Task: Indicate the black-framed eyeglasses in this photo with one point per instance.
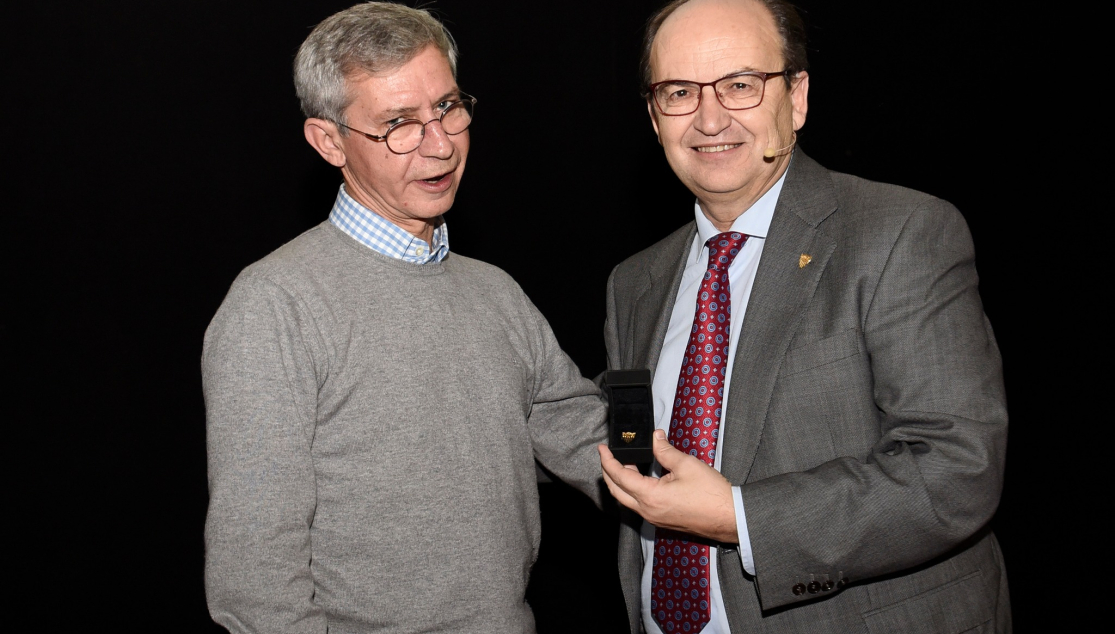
(405, 136)
(738, 91)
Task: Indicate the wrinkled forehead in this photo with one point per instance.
(426, 64)
(704, 40)
(425, 78)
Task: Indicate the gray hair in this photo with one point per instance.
(372, 37)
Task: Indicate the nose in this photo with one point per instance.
(712, 118)
(435, 142)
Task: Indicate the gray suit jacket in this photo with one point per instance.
(867, 416)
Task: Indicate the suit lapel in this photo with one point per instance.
(653, 307)
(782, 289)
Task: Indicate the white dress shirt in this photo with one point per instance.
(755, 222)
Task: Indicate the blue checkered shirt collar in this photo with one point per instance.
(380, 235)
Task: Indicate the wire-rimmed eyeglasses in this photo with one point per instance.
(738, 91)
(405, 136)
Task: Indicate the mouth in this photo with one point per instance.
(437, 184)
(710, 149)
(435, 180)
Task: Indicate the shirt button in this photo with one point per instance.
(419, 250)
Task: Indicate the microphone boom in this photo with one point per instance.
(771, 152)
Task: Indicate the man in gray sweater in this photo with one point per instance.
(375, 403)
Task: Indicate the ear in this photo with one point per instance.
(654, 119)
(325, 137)
(799, 99)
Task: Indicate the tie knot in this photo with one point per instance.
(723, 248)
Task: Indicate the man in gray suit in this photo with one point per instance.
(829, 384)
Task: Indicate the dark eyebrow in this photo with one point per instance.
(731, 74)
(739, 72)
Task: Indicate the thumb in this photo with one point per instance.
(666, 454)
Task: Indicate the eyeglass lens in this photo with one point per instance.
(737, 92)
(407, 137)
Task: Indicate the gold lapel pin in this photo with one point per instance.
(804, 259)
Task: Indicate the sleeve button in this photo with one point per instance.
(828, 585)
(814, 587)
(798, 589)
(843, 582)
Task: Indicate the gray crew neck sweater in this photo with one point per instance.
(372, 427)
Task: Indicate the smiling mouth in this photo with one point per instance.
(718, 148)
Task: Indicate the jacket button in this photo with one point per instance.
(843, 582)
(798, 589)
(814, 587)
(828, 585)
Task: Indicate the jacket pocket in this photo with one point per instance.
(954, 607)
(821, 352)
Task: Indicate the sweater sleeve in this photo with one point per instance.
(567, 416)
(260, 383)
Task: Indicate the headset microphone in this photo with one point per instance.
(771, 152)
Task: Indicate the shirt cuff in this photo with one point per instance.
(745, 554)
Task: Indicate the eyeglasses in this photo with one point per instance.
(405, 136)
(676, 97)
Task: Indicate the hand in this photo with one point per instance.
(692, 497)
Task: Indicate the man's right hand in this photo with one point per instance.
(691, 497)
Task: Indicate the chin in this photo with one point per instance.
(718, 187)
(429, 212)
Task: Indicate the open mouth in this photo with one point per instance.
(718, 148)
(434, 180)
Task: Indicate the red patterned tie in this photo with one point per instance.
(680, 584)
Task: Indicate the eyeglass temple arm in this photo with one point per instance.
(378, 139)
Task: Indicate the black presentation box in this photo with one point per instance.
(630, 415)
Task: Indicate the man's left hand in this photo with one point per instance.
(691, 497)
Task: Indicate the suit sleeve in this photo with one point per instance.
(567, 415)
(611, 331)
(934, 476)
(260, 385)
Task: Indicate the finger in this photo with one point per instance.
(616, 470)
(607, 460)
(620, 495)
(608, 464)
(666, 454)
(627, 478)
(605, 452)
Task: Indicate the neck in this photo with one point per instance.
(425, 231)
(722, 210)
(722, 216)
(421, 228)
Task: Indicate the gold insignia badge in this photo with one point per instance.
(628, 436)
(804, 259)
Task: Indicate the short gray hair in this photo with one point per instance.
(373, 37)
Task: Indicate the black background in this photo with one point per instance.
(155, 149)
